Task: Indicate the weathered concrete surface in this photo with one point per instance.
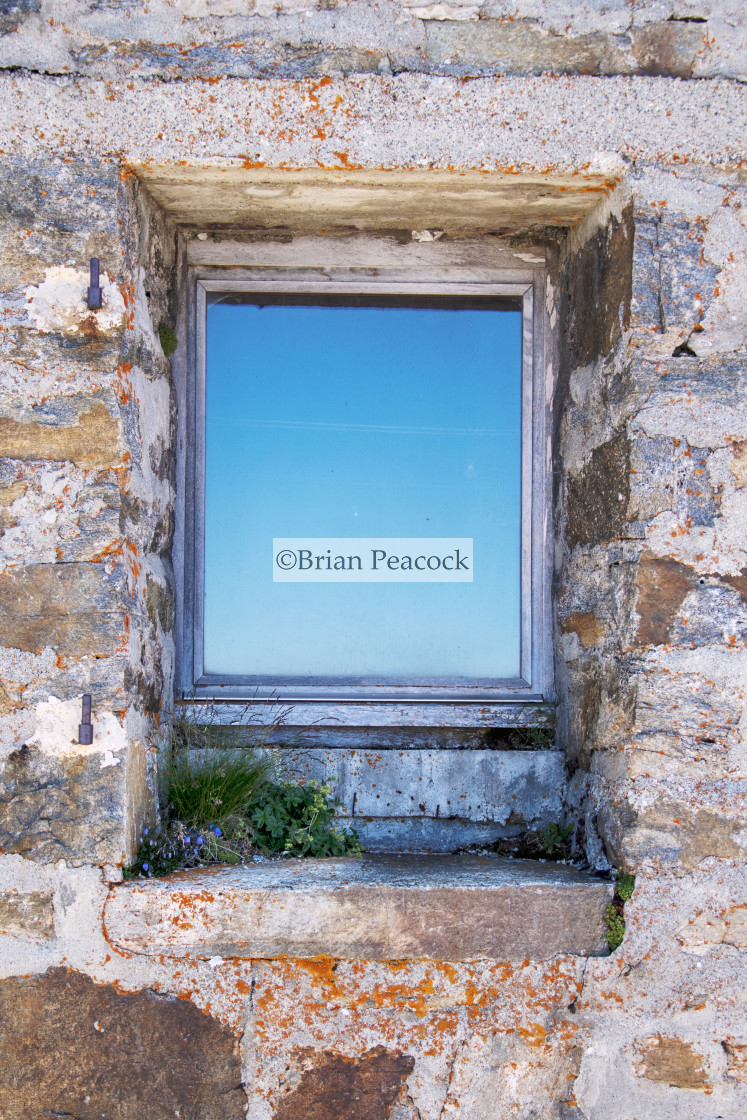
(219, 197)
(498, 786)
(87, 1050)
(205, 39)
(377, 908)
(428, 834)
(586, 127)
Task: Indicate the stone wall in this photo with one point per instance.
(650, 480)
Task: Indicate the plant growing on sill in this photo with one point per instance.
(224, 807)
(555, 839)
(297, 820)
(624, 887)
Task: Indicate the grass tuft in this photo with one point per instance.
(215, 785)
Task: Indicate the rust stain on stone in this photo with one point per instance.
(736, 1060)
(662, 587)
(586, 625)
(738, 463)
(92, 442)
(333, 1087)
(669, 1059)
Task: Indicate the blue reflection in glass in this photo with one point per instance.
(361, 422)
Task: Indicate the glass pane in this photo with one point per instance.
(341, 439)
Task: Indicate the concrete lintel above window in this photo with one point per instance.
(230, 197)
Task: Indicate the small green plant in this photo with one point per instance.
(615, 927)
(223, 804)
(537, 736)
(624, 887)
(297, 820)
(167, 338)
(555, 839)
(174, 846)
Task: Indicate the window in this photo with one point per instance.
(367, 494)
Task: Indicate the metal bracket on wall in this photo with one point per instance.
(94, 291)
(85, 729)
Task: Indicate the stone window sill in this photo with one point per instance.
(379, 907)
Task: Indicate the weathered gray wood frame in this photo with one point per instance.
(395, 702)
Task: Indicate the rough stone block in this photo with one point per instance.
(91, 442)
(377, 907)
(598, 496)
(673, 1061)
(27, 914)
(14, 14)
(332, 1087)
(670, 833)
(596, 293)
(662, 587)
(524, 47)
(87, 1050)
(673, 283)
(70, 607)
(70, 808)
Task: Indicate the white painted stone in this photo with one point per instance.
(59, 302)
(56, 731)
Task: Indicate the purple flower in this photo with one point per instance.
(145, 832)
(217, 831)
(198, 841)
(145, 867)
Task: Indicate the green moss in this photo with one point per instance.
(168, 340)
